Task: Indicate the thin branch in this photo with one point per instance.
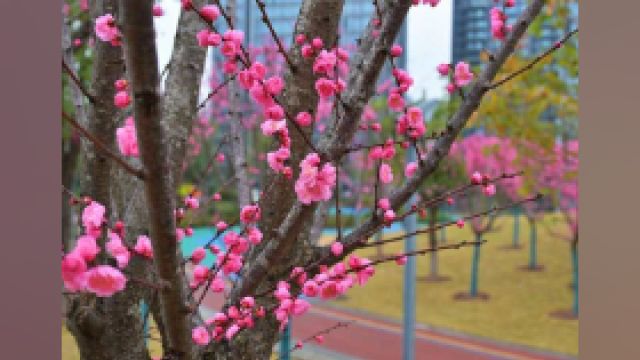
(267, 22)
(139, 173)
(450, 223)
(536, 60)
(216, 89)
(339, 324)
(78, 83)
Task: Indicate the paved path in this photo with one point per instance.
(373, 338)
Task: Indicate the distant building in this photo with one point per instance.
(472, 30)
(356, 15)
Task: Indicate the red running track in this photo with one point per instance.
(372, 338)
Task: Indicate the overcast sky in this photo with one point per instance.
(428, 43)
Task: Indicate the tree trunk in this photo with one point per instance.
(574, 268)
(516, 228)
(433, 241)
(237, 133)
(533, 244)
(475, 262)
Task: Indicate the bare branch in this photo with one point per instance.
(139, 173)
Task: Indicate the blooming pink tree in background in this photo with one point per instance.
(309, 110)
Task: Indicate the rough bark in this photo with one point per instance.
(108, 328)
(142, 66)
(237, 132)
(181, 88)
(71, 145)
(319, 219)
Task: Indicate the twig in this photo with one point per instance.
(267, 22)
(78, 83)
(139, 173)
(536, 60)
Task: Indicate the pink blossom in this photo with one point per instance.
(217, 285)
(315, 182)
(498, 19)
(489, 190)
(362, 267)
(384, 204)
(274, 85)
(157, 10)
(231, 331)
(202, 37)
(410, 169)
(221, 225)
(214, 39)
(254, 235)
(229, 48)
(307, 51)
(325, 63)
(300, 307)
(389, 215)
(395, 102)
(234, 35)
(121, 84)
(105, 280)
(179, 234)
(87, 247)
(247, 302)
(200, 274)
(200, 336)
(198, 255)
(93, 216)
(451, 88)
(73, 271)
(276, 159)
(210, 12)
(386, 173)
(396, 50)
(310, 288)
(270, 127)
(319, 339)
(476, 178)
(443, 69)
(122, 99)
(220, 157)
(336, 248)
(250, 214)
(300, 39)
(117, 250)
(191, 202)
(317, 43)
(126, 138)
(401, 260)
(106, 29)
(460, 223)
(325, 87)
(304, 118)
(143, 247)
(462, 74)
(274, 112)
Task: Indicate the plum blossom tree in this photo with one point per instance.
(132, 221)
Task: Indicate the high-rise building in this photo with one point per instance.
(356, 14)
(472, 30)
(283, 14)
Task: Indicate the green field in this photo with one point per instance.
(520, 302)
